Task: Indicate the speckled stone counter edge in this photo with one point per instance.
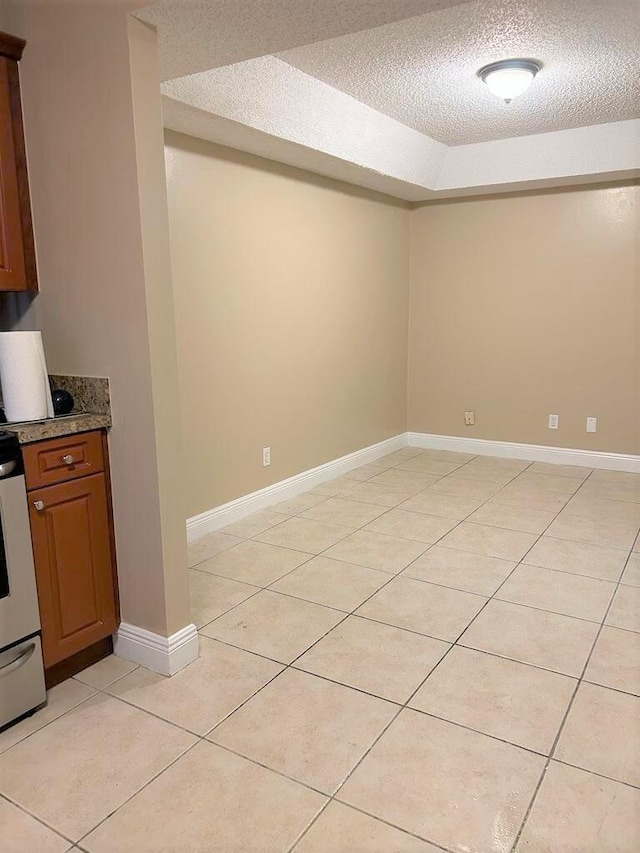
(57, 427)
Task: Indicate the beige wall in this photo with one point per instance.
(291, 309)
(527, 305)
(105, 308)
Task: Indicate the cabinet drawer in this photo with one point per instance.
(60, 459)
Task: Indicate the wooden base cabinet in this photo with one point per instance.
(72, 535)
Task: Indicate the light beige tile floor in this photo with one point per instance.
(600, 731)
(436, 611)
(445, 783)
(374, 657)
(460, 570)
(434, 652)
(332, 583)
(201, 695)
(615, 661)
(308, 728)
(631, 574)
(212, 596)
(19, 833)
(351, 513)
(342, 828)
(577, 811)
(558, 592)
(377, 551)
(256, 523)
(625, 610)
(412, 525)
(511, 701)
(578, 558)
(254, 563)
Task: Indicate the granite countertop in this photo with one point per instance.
(93, 410)
(56, 427)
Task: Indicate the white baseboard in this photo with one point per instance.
(528, 452)
(220, 516)
(165, 655)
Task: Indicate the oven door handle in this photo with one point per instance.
(20, 658)
(7, 468)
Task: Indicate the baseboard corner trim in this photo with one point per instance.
(165, 655)
(528, 452)
(224, 514)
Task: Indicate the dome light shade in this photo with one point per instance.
(510, 77)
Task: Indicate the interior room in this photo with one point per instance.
(320, 426)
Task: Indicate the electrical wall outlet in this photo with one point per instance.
(592, 424)
(266, 457)
(554, 421)
(469, 418)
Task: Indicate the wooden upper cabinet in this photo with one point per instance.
(17, 252)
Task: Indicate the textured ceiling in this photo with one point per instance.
(384, 93)
(265, 94)
(195, 35)
(422, 72)
(267, 107)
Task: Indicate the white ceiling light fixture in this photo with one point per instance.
(509, 78)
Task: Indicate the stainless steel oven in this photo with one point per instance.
(22, 687)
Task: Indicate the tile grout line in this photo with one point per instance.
(415, 633)
(352, 613)
(82, 837)
(26, 811)
(565, 716)
(329, 797)
(347, 614)
(402, 571)
(595, 772)
(313, 556)
(404, 705)
(392, 576)
(320, 812)
(290, 665)
(527, 812)
(205, 737)
(443, 658)
(139, 790)
(429, 546)
(46, 725)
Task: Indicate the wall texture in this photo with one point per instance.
(291, 296)
(527, 305)
(96, 171)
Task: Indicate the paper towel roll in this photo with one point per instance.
(24, 379)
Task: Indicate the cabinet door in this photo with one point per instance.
(74, 565)
(17, 255)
